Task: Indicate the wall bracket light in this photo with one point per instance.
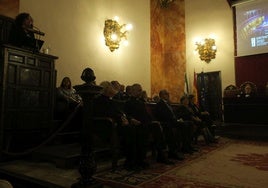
(207, 49)
(114, 33)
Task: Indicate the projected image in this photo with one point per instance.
(252, 28)
(255, 28)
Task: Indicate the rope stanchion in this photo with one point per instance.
(52, 136)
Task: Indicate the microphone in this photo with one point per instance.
(36, 31)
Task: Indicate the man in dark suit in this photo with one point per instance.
(138, 115)
(178, 132)
(187, 114)
(104, 106)
(203, 115)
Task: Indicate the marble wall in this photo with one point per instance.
(168, 62)
(9, 8)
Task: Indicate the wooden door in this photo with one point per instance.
(210, 93)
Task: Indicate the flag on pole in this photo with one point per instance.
(195, 91)
(186, 87)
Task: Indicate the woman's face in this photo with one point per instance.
(66, 83)
(28, 22)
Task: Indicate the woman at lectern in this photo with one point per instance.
(21, 34)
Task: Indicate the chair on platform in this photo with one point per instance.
(252, 86)
(231, 91)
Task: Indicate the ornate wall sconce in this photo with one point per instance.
(115, 33)
(207, 49)
(165, 3)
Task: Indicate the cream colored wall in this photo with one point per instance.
(74, 32)
(204, 18)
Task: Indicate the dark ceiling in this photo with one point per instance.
(234, 2)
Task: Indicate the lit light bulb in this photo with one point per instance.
(114, 37)
(116, 18)
(125, 43)
(129, 27)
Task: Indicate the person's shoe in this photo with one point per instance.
(214, 141)
(187, 151)
(143, 164)
(162, 157)
(180, 156)
(164, 161)
(129, 166)
(217, 137)
(176, 156)
(194, 149)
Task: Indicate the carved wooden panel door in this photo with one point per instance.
(210, 93)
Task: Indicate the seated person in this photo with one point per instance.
(66, 99)
(155, 99)
(186, 113)
(127, 92)
(178, 134)
(120, 95)
(247, 91)
(144, 96)
(88, 76)
(104, 106)
(138, 115)
(202, 114)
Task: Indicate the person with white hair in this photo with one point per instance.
(105, 106)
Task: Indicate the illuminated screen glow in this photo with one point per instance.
(252, 28)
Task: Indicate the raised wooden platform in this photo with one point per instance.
(243, 131)
(51, 167)
(63, 155)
